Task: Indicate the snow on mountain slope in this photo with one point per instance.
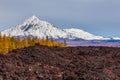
(78, 33)
(36, 27)
(116, 38)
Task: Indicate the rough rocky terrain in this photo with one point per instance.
(54, 63)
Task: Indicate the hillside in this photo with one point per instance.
(54, 63)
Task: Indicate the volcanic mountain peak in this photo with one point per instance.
(35, 27)
(33, 22)
(32, 19)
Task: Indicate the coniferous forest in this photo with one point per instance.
(8, 43)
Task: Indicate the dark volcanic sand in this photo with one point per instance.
(54, 63)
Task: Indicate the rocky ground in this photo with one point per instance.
(54, 63)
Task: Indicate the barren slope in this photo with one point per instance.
(54, 63)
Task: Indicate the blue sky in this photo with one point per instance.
(99, 17)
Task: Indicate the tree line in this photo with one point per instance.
(8, 43)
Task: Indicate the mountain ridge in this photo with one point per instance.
(36, 27)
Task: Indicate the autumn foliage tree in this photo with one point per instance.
(64, 43)
(8, 43)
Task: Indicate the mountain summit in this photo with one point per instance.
(36, 27)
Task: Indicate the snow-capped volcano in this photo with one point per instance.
(36, 27)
